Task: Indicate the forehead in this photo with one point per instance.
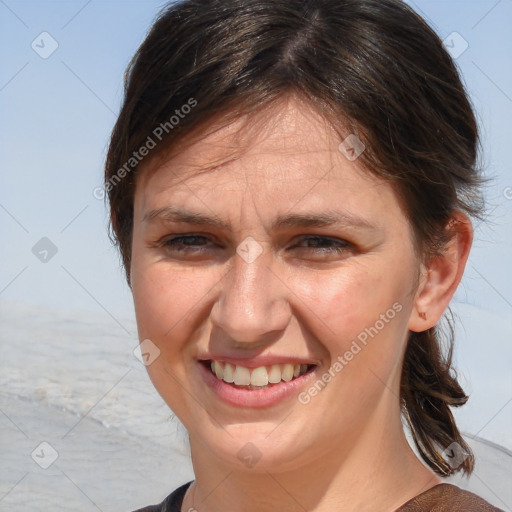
(283, 156)
(287, 131)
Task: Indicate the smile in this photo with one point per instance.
(253, 386)
(257, 378)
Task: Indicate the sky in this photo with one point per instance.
(61, 72)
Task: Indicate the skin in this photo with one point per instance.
(345, 449)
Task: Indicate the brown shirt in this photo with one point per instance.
(440, 498)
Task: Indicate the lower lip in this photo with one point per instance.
(254, 398)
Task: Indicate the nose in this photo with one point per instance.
(252, 307)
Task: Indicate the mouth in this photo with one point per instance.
(260, 378)
(259, 382)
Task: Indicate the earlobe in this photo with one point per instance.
(442, 275)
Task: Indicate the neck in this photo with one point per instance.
(374, 470)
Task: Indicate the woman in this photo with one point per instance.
(291, 184)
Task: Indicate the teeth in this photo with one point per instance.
(242, 376)
(287, 373)
(217, 368)
(258, 377)
(229, 373)
(274, 376)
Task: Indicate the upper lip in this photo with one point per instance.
(257, 361)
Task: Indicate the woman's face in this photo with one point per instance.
(282, 253)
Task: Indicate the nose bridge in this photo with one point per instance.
(252, 302)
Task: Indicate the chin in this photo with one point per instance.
(256, 448)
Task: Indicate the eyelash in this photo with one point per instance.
(176, 244)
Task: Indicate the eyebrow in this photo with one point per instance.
(293, 220)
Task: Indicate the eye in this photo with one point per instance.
(324, 245)
(186, 243)
(198, 244)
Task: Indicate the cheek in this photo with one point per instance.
(362, 303)
(165, 298)
(168, 304)
(360, 316)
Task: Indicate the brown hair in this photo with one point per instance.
(371, 67)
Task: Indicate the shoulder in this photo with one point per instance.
(447, 498)
(171, 504)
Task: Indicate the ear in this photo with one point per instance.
(441, 275)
